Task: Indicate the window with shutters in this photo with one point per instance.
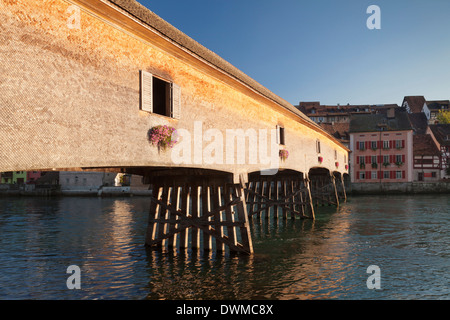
(362, 145)
(159, 96)
(374, 175)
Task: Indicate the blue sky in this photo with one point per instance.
(322, 50)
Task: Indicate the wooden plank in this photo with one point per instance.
(217, 202)
(286, 201)
(185, 206)
(175, 200)
(311, 206)
(195, 232)
(163, 212)
(246, 237)
(206, 208)
(151, 227)
(228, 214)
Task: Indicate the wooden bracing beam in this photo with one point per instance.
(289, 195)
(324, 190)
(192, 215)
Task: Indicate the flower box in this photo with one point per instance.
(162, 136)
(284, 154)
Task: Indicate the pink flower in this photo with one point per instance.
(162, 136)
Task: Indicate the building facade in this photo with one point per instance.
(427, 159)
(382, 147)
(440, 134)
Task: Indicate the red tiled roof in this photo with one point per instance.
(337, 129)
(415, 103)
(424, 145)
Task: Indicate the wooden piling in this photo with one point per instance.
(202, 209)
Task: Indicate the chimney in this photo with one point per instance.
(391, 113)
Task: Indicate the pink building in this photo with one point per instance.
(382, 147)
(32, 176)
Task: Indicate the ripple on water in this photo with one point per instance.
(407, 237)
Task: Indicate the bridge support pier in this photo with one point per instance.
(199, 213)
(324, 189)
(340, 186)
(279, 196)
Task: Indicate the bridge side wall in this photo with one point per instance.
(69, 98)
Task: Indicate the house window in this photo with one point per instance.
(433, 174)
(386, 144)
(362, 159)
(280, 135)
(373, 144)
(386, 175)
(385, 159)
(362, 145)
(374, 159)
(398, 158)
(374, 175)
(159, 96)
(362, 175)
(398, 144)
(398, 174)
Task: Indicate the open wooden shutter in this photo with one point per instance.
(279, 138)
(146, 80)
(176, 101)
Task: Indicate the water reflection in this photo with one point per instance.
(407, 237)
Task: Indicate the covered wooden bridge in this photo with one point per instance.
(108, 85)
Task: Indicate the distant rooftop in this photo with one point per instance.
(415, 103)
(441, 133)
(315, 108)
(380, 122)
(424, 145)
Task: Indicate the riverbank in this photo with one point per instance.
(83, 192)
(386, 188)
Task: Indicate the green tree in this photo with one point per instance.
(443, 116)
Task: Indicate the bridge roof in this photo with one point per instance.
(166, 29)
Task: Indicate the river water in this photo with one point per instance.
(406, 237)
